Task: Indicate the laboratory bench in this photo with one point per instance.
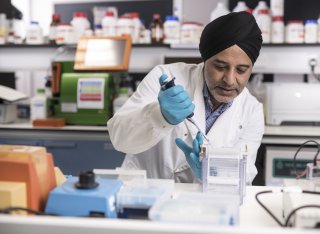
(77, 148)
(253, 219)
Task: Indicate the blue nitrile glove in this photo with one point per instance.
(192, 154)
(175, 103)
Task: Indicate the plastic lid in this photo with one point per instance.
(241, 3)
(262, 3)
(80, 14)
(311, 22)
(134, 14)
(34, 22)
(56, 16)
(171, 18)
(109, 13)
(86, 180)
(156, 16)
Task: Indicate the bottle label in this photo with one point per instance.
(157, 34)
(38, 109)
(52, 33)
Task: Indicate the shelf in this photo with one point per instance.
(28, 46)
(196, 46)
(290, 44)
(274, 58)
(73, 45)
(172, 46)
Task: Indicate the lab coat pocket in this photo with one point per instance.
(235, 135)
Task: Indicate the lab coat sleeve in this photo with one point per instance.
(250, 139)
(139, 124)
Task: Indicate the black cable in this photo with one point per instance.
(266, 209)
(296, 209)
(298, 150)
(8, 210)
(291, 213)
(316, 156)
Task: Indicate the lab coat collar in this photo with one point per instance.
(227, 125)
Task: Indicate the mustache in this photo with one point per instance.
(225, 86)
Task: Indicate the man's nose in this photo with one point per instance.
(229, 77)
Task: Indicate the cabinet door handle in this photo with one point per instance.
(60, 144)
(17, 142)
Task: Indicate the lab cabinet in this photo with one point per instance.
(274, 160)
(72, 153)
(75, 156)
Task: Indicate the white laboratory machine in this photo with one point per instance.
(8, 103)
(292, 103)
(279, 163)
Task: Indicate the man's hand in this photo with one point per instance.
(175, 103)
(192, 154)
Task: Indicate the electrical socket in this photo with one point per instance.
(312, 59)
(312, 62)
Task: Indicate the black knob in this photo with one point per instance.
(86, 180)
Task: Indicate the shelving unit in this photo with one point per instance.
(274, 58)
(14, 46)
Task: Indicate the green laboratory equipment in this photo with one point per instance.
(84, 99)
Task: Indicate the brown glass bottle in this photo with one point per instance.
(156, 29)
(53, 28)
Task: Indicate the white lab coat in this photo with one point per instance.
(140, 130)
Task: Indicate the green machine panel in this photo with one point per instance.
(85, 98)
(283, 167)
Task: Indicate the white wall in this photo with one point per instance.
(41, 11)
(24, 7)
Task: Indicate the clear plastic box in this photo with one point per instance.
(124, 175)
(198, 208)
(142, 194)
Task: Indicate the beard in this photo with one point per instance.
(223, 93)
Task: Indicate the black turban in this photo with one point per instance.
(236, 28)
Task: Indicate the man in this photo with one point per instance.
(148, 126)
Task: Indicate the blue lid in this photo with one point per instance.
(34, 22)
(171, 17)
(311, 22)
